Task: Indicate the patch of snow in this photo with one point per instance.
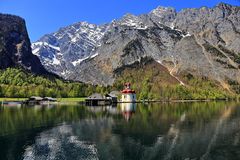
(91, 26)
(59, 53)
(172, 26)
(157, 12)
(45, 44)
(178, 30)
(142, 28)
(133, 21)
(160, 26)
(94, 55)
(159, 61)
(187, 35)
(70, 35)
(65, 72)
(56, 61)
(83, 59)
(183, 35)
(79, 61)
(74, 39)
(160, 11)
(35, 51)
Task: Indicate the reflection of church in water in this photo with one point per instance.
(128, 109)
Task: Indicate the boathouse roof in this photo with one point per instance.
(115, 93)
(36, 98)
(96, 96)
(49, 99)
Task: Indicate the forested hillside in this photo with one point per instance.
(150, 83)
(19, 83)
(153, 81)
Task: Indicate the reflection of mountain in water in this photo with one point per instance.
(140, 138)
(75, 141)
(60, 143)
(167, 131)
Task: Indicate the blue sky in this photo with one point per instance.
(46, 16)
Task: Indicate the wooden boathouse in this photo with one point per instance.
(97, 99)
(34, 100)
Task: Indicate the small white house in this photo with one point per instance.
(128, 95)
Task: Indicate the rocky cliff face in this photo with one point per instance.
(203, 42)
(15, 46)
(61, 51)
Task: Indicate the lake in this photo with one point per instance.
(161, 131)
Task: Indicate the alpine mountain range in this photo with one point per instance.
(203, 42)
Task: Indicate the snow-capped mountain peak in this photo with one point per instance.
(132, 21)
(68, 46)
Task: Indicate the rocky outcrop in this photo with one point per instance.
(203, 42)
(15, 46)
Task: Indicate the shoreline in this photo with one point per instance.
(81, 101)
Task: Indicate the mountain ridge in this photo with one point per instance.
(201, 41)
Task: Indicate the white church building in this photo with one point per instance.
(128, 95)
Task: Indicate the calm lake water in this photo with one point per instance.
(170, 131)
